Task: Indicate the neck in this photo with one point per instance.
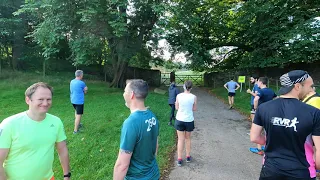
(137, 106)
(263, 86)
(78, 78)
(35, 116)
(290, 95)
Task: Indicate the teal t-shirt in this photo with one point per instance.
(139, 135)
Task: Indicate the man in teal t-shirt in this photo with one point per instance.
(139, 137)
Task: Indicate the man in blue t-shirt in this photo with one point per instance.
(231, 87)
(291, 127)
(253, 92)
(77, 90)
(264, 94)
(139, 137)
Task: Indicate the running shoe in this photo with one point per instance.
(179, 162)
(188, 159)
(256, 151)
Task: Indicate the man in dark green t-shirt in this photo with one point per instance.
(139, 137)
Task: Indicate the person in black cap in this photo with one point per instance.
(291, 128)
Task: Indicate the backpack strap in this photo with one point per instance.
(308, 99)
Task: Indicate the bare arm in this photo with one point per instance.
(316, 141)
(177, 104)
(64, 157)
(238, 86)
(3, 155)
(256, 102)
(122, 165)
(157, 146)
(256, 136)
(225, 86)
(85, 90)
(194, 108)
(252, 93)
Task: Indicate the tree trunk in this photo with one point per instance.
(119, 74)
(119, 54)
(18, 39)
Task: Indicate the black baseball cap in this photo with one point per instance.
(291, 78)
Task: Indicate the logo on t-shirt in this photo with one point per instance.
(151, 122)
(277, 121)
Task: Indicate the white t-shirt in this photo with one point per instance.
(185, 112)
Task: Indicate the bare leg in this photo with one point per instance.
(229, 98)
(181, 138)
(188, 143)
(232, 100)
(77, 122)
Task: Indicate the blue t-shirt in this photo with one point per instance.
(254, 90)
(77, 91)
(265, 94)
(139, 135)
(231, 85)
(289, 125)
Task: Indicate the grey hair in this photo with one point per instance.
(78, 73)
(139, 87)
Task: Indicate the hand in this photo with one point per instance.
(248, 91)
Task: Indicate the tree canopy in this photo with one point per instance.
(214, 34)
(259, 33)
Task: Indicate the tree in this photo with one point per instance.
(12, 32)
(121, 26)
(261, 33)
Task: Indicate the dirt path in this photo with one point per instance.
(219, 145)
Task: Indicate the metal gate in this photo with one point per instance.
(180, 79)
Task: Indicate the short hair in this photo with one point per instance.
(139, 87)
(263, 80)
(30, 91)
(188, 84)
(255, 76)
(78, 73)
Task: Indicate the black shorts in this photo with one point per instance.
(184, 126)
(78, 108)
(231, 94)
(268, 174)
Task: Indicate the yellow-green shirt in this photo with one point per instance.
(31, 145)
(314, 101)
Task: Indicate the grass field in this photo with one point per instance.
(94, 151)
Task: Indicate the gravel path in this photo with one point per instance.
(219, 144)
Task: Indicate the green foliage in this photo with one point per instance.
(263, 33)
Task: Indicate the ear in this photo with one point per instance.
(132, 95)
(297, 86)
(28, 100)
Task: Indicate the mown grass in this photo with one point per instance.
(94, 151)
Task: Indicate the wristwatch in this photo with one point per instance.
(67, 175)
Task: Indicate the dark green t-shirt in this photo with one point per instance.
(139, 135)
